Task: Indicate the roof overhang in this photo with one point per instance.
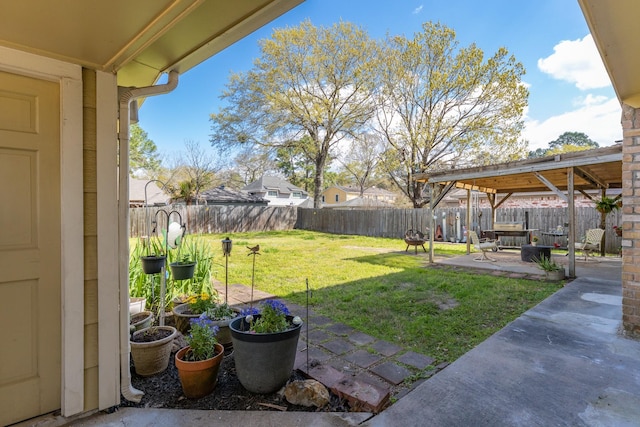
(600, 168)
(137, 39)
(612, 24)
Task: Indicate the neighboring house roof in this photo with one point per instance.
(155, 196)
(371, 190)
(360, 203)
(270, 183)
(226, 196)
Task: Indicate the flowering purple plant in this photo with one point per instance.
(272, 319)
(201, 339)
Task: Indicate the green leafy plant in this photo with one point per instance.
(547, 264)
(271, 318)
(201, 339)
(608, 204)
(221, 311)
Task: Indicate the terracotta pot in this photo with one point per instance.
(198, 379)
(183, 318)
(264, 362)
(151, 357)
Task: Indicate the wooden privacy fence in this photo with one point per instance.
(214, 219)
(394, 222)
(376, 223)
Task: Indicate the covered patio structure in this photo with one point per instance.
(563, 174)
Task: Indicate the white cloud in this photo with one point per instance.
(597, 117)
(577, 62)
(417, 10)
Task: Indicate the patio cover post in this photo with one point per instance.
(571, 213)
(468, 220)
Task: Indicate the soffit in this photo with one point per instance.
(613, 24)
(137, 39)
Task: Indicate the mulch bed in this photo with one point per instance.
(164, 391)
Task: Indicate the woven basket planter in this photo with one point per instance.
(150, 355)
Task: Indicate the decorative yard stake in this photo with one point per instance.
(253, 251)
(226, 250)
(308, 292)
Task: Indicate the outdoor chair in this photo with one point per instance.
(484, 245)
(415, 239)
(591, 243)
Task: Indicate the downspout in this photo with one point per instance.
(126, 98)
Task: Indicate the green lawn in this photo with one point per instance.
(373, 285)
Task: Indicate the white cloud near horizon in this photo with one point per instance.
(417, 10)
(597, 117)
(577, 62)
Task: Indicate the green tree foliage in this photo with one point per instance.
(309, 81)
(444, 106)
(294, 165)
(144, 159)
(566, 143)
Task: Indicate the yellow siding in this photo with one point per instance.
(90, 241)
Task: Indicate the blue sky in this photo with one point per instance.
(569, 88)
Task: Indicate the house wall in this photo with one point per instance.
(90, 241)
(631, 221)
(330, 196)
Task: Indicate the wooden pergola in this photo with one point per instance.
(563, 174)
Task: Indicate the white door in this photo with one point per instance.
(30, 284)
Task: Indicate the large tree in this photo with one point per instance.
(445, 106)
(309, 81)
(144, 160)
(566, 143)
(362, 158)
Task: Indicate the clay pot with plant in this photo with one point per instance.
(199, 362)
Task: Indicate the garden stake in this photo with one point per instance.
(253, 251)
(307, 280)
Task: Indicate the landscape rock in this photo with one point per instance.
(307, 393)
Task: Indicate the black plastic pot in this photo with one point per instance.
(152, 264)
(182, 270)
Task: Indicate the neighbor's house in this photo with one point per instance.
(228, 197)
(341, 194)
(72, 75)
(277, 191)
(143, 192)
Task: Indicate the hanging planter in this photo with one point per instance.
(182, 270)
(153, 264)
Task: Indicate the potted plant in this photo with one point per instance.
(608, 204)
(151, 349)
(534, 241)
(221, 314)
(192, 307)
(185, 266)
(264, 346)
(183, 269)
(154, 260)
(199, 362)
(618, 230)
(140, 320)
(553, 271)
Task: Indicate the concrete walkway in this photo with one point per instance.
(561, 363)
